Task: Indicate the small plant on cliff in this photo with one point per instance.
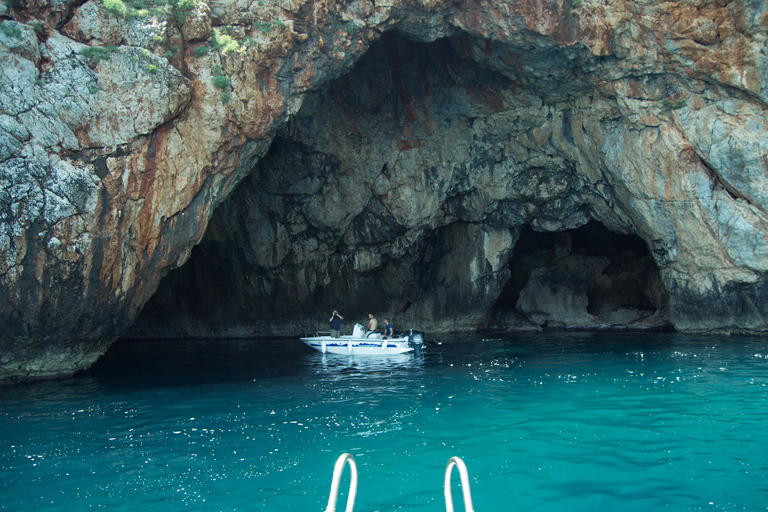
(225, 41)
(139, 8)
(169, 53)
(201, 50)
(116, 7)
(576, 3)
(220, 80)
(351, 27)
(10, 30)
(182, 9)
(151, 69)
(95, 54)
(262, 26)
(549, 170)
(674, 106)
(157, 40)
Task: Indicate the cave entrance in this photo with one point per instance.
(587, 277)
(398, 189)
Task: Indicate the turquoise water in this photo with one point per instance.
(556, 422)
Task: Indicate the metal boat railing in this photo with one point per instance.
(463, 478)
(348, 458)
(337, 470)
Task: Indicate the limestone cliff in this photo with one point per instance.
(386, 155)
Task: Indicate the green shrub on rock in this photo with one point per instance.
(182, 9)
(10, 30)
(116, 7)
(225, 41)
(140, 8)
(95, 54)
(220, 80)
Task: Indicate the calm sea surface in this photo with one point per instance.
(555, 422)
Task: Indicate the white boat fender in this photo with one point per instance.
(349, 346)
(345, 457)
(324, 347)
(384, 344)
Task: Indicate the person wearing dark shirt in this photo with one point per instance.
(335, 320)
(389, 331)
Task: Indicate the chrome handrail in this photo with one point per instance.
(464, 478)
(343, 458)
(348, 458)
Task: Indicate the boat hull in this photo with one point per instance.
(349, 345)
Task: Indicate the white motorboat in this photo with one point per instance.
(360, 344)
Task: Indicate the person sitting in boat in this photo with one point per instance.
(335, 320)
(373, 324)
(389, 331)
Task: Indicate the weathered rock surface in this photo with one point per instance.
(399, 178)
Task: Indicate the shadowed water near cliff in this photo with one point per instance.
(544, 422)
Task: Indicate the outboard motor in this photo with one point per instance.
(416, 340)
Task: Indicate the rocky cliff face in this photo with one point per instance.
(381, 156)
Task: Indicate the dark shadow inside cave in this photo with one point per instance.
(614, 276)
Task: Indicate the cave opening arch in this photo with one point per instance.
(587, 277)
(400, 188)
